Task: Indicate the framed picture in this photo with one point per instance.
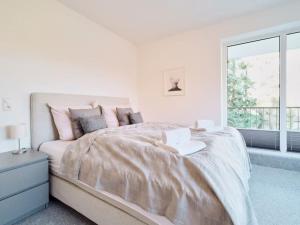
(174, 81)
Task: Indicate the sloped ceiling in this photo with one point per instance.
(146, 20)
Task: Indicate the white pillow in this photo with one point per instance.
(62, 120)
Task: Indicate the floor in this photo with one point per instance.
(56, 214)
(275, 194)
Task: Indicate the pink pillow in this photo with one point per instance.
(62, 120)
(110, 115)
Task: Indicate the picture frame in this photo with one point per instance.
(174, 81)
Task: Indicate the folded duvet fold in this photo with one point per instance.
(208, 187)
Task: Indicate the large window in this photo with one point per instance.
(253, 85)
(293, 92)
(263, 90)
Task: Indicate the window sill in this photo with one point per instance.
(276, 159)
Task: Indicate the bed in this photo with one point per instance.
(103, 207)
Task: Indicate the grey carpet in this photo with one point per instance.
(275, 195)
(56, 214)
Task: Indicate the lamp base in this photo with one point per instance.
(18, 152)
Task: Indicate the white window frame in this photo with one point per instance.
(281, 32)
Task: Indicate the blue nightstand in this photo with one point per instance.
(24, 186)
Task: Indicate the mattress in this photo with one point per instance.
(55, 151)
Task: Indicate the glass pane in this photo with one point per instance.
(293, 97)
(293, 81)
(253, 85)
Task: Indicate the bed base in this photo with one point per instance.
(99, 210)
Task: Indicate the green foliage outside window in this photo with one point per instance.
(239, 100)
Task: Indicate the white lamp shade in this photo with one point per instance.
(16, 131)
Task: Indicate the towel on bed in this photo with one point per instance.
(180, 140)
(176, 137)
(205, 124)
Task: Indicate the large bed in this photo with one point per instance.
(108, 208)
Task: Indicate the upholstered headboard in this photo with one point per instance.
(41, 122)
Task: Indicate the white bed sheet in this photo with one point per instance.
(55, 151)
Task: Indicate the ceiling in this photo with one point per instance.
(145, 20)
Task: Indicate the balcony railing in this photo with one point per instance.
(266, 118)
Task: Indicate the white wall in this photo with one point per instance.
(45, 47)
(199, 51)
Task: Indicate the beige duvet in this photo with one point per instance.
(209, 187)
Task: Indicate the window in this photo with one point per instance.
(293, 93)
(253, 85)
(263, 90)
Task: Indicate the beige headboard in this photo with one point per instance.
(41, 121)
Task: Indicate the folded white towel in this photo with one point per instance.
(176, 137)
(204, 124)
(179, 140)
(190, 147)
(209, 129)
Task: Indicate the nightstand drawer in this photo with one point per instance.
(22, 178)
(18, 206)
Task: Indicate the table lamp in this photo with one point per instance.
(17, 132)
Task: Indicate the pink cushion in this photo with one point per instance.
(62, 120)
(110, 115)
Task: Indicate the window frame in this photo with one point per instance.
(281, 32)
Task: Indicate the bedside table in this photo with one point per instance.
(24, 186)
